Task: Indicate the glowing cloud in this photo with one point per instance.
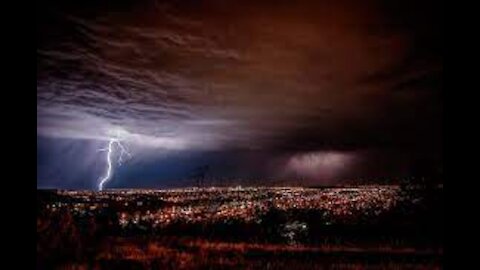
(319, 164)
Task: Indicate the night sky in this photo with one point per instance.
(264, 92)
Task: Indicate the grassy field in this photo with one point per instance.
(187, 253)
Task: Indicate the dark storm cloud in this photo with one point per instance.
(232, 74)
(275, 76)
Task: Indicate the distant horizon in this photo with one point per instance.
(380, 181)
(219, 187)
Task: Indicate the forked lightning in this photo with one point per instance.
(109, 150)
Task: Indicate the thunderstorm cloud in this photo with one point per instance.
(290, 77)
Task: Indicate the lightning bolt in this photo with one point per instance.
(112, 142)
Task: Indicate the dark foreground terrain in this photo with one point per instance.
(368, 227)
